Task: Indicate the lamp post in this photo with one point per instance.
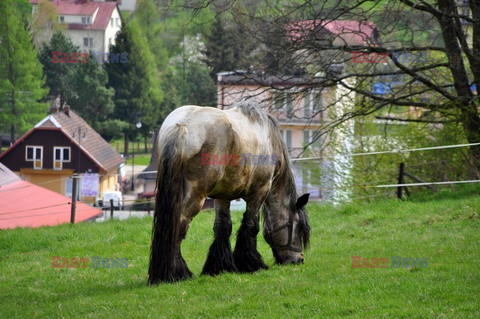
(138, 125)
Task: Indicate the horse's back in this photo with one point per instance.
(204, 125)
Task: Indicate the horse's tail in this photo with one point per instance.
(165, 259)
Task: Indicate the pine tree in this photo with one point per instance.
(21, 77)
(220, 48)
(91, 98)
(137, 89)
(59, 73)
(146, 16)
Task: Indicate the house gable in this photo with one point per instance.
(15, 158)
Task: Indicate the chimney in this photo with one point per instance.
(66, 109)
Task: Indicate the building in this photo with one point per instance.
(23, 204)
(127, 5)
(59, 146)
(338, 33)
(303, 108)
(90, 25)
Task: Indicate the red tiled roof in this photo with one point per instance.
(85, 8)
(23, 204)
(351, 31)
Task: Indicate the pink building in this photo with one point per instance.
(302, 107)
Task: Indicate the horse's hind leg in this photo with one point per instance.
(246, 256)
(192, 207)
(220, 257)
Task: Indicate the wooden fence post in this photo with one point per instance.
(74, 198)
(111, 208)
(401, 180)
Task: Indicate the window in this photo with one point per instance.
(68, 187)
(287, 138)
(312, 139)
(60, 155)
(312, 104)
(34, 154)
(86, 20)
(87, 42)
(284, 101)
(117, 20)
(111, 22)
(61, 19)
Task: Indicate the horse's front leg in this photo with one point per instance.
(220, 257)
(246, 256)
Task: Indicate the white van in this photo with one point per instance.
(117, 199)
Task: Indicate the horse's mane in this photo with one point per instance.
(284, 177)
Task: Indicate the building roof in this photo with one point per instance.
(7, 176)
(23, 204)
(351, 32)
(91, 143)
(85, 8)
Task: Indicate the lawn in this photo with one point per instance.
(443, 228)
(140, 159)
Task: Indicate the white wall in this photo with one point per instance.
(112, 31)
(77, 38)
(128, 5)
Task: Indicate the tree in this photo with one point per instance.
(188, 80)
(137, 88)
(59, 71)
(21, 77)
(146, 16)
(91, 97)
(45, 22)
(220, 48)
(439, 87)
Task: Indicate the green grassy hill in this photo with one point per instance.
(443, 228)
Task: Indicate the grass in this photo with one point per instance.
(140, 159)
(443, 227)
(138, 146)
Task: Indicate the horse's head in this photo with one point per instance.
(287, 231)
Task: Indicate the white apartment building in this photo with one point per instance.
(91, 24)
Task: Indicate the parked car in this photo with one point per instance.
(117, 200)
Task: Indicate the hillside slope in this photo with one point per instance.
(444, 228)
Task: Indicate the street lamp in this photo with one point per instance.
(138, 125)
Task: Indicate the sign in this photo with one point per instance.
(89, 185)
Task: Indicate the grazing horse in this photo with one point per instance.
(225, 155)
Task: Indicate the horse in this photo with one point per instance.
(199, 153)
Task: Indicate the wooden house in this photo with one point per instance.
(59, 146)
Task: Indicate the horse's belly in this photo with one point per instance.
(241, 182)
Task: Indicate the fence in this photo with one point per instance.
(326, 184)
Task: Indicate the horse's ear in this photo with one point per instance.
(302, 200)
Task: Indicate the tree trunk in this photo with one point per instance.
(12, 134)
(125, 146)
(470, 118)
(471, 125)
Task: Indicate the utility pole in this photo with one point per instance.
(74, 198)
(81, 134)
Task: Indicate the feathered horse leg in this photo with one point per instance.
(220, 256)
(246, 256)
